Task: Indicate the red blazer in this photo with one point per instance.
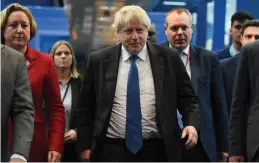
(44, 86)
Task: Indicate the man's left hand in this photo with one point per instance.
(16, 160)
(191, 132)
(223, 156)
(70, 135)
(54, 156)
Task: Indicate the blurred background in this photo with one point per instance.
(86, 24)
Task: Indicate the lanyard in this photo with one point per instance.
(187, 59)
(64, 96)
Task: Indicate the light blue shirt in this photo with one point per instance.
(233, 51)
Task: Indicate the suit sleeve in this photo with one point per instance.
(22, 112)
(55, 108)
(186, 97)
(239, 101)
(223, 72)
(219, 106)
(87, 104)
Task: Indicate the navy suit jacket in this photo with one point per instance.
(223, 54)
(208, 84)
(228, 68)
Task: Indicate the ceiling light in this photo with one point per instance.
(174, 3)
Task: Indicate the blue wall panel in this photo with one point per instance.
(219, 24)
(249, 5)
(158, 18)
(52, 26)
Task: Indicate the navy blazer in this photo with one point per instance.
(223, 54)
(228, 68)
(208, 84)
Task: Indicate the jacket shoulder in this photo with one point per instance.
(224, 53)
(202, 51)
(165, 50)
(105, 51)
(10, 51)
(42, 56)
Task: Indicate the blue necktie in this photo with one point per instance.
(133, 122)
(179, 116)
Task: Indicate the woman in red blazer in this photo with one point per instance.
(18, 28)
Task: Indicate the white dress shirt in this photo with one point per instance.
(184, 56)
(117, 124)
(67, 103)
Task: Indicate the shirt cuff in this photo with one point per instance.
(15, 155)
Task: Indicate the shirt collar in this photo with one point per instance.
(233, 51)
(126, 55)
(186, 50)
(71, 76)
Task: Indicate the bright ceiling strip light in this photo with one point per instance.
(174, 3)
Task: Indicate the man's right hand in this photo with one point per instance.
(85, 155)
(236, 159)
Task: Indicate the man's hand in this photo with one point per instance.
(70, 135)
(16, 160)
(54, 156)
(236, 159)
(85, 155)
(192, 136)
(223, 157)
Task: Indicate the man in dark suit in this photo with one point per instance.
(204, 71)
(249, 33)
(243, 124)
(16, 103)
(130, 93)
(237, 21)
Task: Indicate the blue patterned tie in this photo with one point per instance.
(133, 124)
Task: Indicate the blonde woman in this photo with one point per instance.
(69, 84)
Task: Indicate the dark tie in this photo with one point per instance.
(133, 123)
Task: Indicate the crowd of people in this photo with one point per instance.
(137, 100)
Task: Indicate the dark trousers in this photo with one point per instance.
(115, 150)
(195, 154)
(256, 156)
(69, 154)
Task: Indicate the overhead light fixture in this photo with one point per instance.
(174, 3)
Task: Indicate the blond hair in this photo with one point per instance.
(127, 13)
(178, 11)
(5, 13)
(73, 67)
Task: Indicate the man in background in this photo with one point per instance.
(237, 21)
(249, 33)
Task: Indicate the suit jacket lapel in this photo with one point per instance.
(157, 66)
(73, 84)
(111, 72)
(195, 67)
(30, 56)
(3, 59)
